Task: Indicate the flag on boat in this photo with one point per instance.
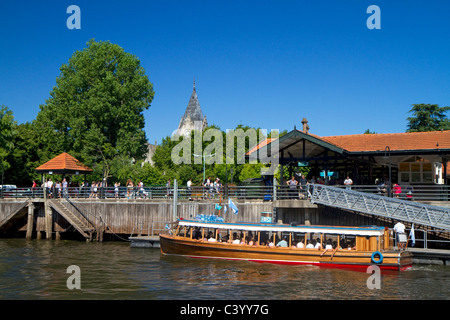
(232, 206)
(412, 235)
(218, 207)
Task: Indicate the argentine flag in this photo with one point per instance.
(232, 206)
(412, 235)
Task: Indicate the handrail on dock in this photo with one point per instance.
(421, 193)
(408, 211)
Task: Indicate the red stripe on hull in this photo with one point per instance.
(358, 267)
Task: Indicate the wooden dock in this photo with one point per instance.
(430, 256)
(144, 241)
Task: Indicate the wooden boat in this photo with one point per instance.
(354, 247)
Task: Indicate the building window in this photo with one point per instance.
(418, 170)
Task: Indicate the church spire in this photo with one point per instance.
(193, 118)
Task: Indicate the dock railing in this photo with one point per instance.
(424, 239)
(421, 193)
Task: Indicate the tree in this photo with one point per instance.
(23, 158)
(7, 134)
(428, 117)
(95, 111)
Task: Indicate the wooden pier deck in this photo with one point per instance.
(144, 241)
(430, 256)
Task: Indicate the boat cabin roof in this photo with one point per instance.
(360, 231)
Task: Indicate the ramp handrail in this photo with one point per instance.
(409, 211)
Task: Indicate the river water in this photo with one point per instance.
(38, 269)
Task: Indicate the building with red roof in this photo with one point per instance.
(408, 158)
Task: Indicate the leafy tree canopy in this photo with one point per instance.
(95, 111)
(428, 117)
(7, 134)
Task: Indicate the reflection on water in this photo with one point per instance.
(111, 270)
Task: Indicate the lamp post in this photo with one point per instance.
(387, 155)
(204, 156)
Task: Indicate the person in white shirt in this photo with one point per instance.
(300, 244)
(399, 229)
(189, 186)
(348, 182)
(50, 187)
(318, 245)
(309, 245)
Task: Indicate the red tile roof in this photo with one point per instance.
(64, 162)
(260, 145)
(395, 141)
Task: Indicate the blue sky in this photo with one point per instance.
(265, 64)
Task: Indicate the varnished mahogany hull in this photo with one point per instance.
(392, 260)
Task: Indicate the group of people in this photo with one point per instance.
(56, 189)
(209, 188)
(139, 192)
(299, 189)
(270, 242)
(97, 189)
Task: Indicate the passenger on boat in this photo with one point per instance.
(211, 237)
(300, 244)
(282, 243)
(329, 245)
(270, 244)
(235, 239)
(197, 235)
(226, 238)
(350, 246)
(309, 245)
(318, 245)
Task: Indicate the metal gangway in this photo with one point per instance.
(405, 210)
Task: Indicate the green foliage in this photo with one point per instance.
(7, 134)
(212, 141)
(428, 117)
(95, 111)
(250, 171)
(23, 158)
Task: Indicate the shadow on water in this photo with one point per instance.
(112, 270)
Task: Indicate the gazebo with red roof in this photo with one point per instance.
(64, 164)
